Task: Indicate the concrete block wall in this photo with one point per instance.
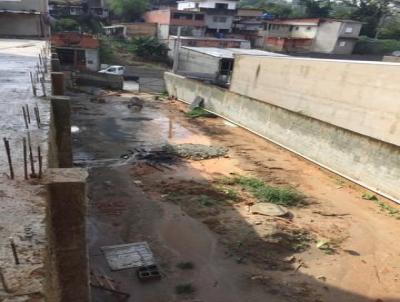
(367, 161)
(358, 96)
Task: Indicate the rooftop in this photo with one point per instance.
(229, 53)
(75, 39)
(208, 38)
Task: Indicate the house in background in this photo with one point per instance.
(219, 14)
(310, 35)
(77, 51)
(168, 20)
(205, 42)
(24, 18)
(212, 64)
(131, 30)
(74, 8)
(247, 23)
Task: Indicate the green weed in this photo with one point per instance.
(265, 193)
(198, 112)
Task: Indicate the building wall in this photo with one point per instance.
(219, 21)
(26, 5)
(344, 46)
(350, 30)
(163, 31)
(358, 96)
(306, 32)
(189, 63)
(21, 25)
(92, 59)
(162, 16)
(369, 162)
(140, 29)
(206, 4)
(326, 38)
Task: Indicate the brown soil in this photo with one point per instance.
(187, 214)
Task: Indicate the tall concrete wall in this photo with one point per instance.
(363, 97)
(22, 25)
(370, 162)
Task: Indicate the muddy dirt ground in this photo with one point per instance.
(208, 244)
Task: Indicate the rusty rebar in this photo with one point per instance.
(25, 117)
(14, 250)
(37, 116)
(10, 165)
(28, 115)
(40, 162)
(25, 158)
(33, 84)
(43, 86)
(33, 174)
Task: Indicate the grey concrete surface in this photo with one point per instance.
(367, 161)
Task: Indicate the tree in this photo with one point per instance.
(317, 8)
(128, 10)
(67, 25)
(390, 28)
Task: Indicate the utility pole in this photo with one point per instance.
(177, 45)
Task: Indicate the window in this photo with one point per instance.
(348, 30)
(219, 19)
(199, 17)
(111, 69)
(296, 28)
(221, 6)
(308, 28)
(342, 44)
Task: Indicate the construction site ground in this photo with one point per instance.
(197, 220)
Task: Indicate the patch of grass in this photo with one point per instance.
(185, 265)
(206, 201)
(184, 289)
(198, 112)
(382, 205)
(368, 196)
(229, 193)
(265, 193)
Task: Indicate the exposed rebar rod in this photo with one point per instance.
(40, 162)
(25, 158)
(33, 174)
(10, 165)
(25, 117)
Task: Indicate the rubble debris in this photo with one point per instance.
(129, 255)
(195, 151)
(104, 282)
(268, 209)
(136, 103)
(197, 103)
(148, 273)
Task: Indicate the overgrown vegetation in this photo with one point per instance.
(148, 47)
(384, 207)
(198, 112)
(128, 10)
(285, 196)
(66, 24)
(367, 45)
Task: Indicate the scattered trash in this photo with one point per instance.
(136, 103)
(268, 209)
(325, 246)
(105, 283)
(195, 151)
(148, 273)
(322, 278)
(130, 255)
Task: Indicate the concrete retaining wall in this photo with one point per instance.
(359, 96)
(101, 80)
(370, 162)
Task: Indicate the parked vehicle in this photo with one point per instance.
(114, 69)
